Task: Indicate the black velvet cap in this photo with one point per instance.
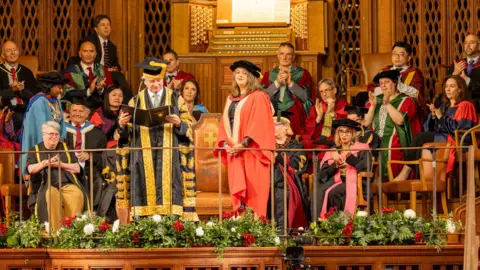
(54, 78)
(322, 141)
(360, 111)
(390, 74)
(346, 123)
(251, 67)
(80, 101)
(153, 67)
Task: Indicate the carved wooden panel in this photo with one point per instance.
(448, 267)
(202, 268)
(30, 21)
(157, 27)
(86, 16)
(204, 71)
(435, 49)
(201, 22)
(153, 268)
(299, 22)
(27, 268)
(461, 18)
(105, 268)
(7, 20)
(410, 27)
(402, 267)
(346, 39)
(356, 267)
(62, 25)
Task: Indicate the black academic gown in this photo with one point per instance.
(371, 138)
(156, 184)
(92, 138)
(474, 85)
(297, 165)
(37, 199)
(6, 92)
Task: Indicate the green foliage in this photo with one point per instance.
(25, 234)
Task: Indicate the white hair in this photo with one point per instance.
(50, 124)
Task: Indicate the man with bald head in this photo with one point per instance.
(17, 86)
(87, 78)
(469, 67)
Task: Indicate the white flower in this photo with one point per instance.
(451, 227)
(82, 217)
(60, 230)
(362, 214)
(115, 226)
(157, 218)
(210, 224)
(409, 213)
(47, 226)
(233, 229)
(235, 217)
(300, 229)
(89, 229)
(199, 231)
(277, 240)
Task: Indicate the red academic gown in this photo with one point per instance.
(249, 172)
(312, 131)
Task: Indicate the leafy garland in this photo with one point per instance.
(246, 230)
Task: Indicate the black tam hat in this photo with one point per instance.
(153, 68)
(80, 101)
(53, 78)
(323, 141)
(346, 123)
(251, 67)
(360, 111)
(389, 74)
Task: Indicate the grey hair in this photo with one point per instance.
(50, 124)
(327, 81)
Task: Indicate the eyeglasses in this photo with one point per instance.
(325, 91)
(344, 132)
(52, 134)
(401, 55)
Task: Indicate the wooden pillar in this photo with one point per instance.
(377, 26)
(180, 26)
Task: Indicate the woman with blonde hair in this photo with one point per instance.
(246, 136)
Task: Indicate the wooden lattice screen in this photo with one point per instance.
(157, 27)
(346, 39)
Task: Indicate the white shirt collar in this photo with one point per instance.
(9, 67)
(85, 67)
(81, 126)
(474, 59)
(151, 94)
(402, 68)
(102, 40)
(174, 74)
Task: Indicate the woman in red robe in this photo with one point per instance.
(245, 124)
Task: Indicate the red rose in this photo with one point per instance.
(330, 211)
(418, 237)
(68, 221)
(178, 226)
(104, 226)
(347, 231)
(387, 210)
(3, 229)
(135, 237)
(248, 239)
(265, 220)
(226, 215)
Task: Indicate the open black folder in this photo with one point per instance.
(148, 118)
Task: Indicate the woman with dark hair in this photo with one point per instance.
(453, 112)
(106, 118)
(191, 94)
(328, 107)
(44, 106)
(246, 124)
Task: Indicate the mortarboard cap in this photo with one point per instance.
(66, 106)
(249, 66)
(53, 78)
(346, 123)
(360, 111)
(153, 68)
(389, 74)
(323, 141)
(80, 101)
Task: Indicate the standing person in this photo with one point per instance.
(159, 186)
(44, 106)
(246, 123)
(175, 77)
(290, 87)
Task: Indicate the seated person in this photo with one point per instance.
(175, 77)
(87, 78)
(469, 68)
(328, 107)
(83, 135)
(290, 87)
(365, 135)
(454, 112)
(46, 195)
(393, 117)
(297, 195)
(337, 175)
(17, 86)
(191, 94)
(106, 117)
(107, 52)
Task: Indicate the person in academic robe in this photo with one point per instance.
(245, 129)
(106, 117)
(393, 117)
(298, 209)
(44, 106)
(45, 193)
(328, 107)
(337, 173)
(159, 183)
(106, 52)
(17, 86)
(454, 112)
(365, 135)
(87, 78)
(469, 68)
(175, 77)
(290, 87)
(191, 94)
(83, 135)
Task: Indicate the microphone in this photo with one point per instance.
(134, 153)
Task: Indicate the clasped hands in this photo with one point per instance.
(17, 86)
(436, 112)
(234, 150)
(340, 159)
(94, 86)
(52, 162)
